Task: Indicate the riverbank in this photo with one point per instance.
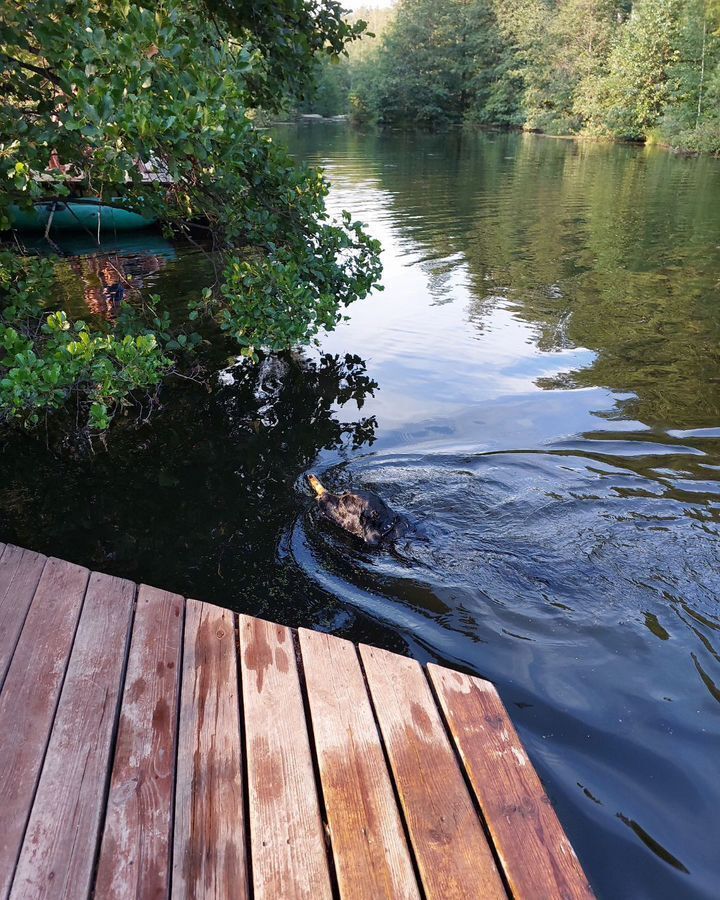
(654, 139)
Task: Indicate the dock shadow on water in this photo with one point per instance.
(537, 392)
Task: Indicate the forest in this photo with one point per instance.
(643, 71)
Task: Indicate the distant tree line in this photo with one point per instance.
(340, 79)
(648, 70)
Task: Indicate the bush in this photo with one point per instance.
(106, 84)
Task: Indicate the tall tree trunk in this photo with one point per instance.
(702, 67)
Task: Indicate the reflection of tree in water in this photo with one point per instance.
(206, 491)
(294, 396)
(600, 256)
(613, 249)
(108, 279)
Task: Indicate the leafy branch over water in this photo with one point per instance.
(173, 85)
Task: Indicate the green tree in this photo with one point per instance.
(615, 68)
(662, 78)
(632, 96)
(493, 88)
(439, 64)
(331, 93)
(339, 80)
(691, 118)
(557, 48)
(106, 84)
(420, 66)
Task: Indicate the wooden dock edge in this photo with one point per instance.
(156, 746)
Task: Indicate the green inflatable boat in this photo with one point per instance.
(79, 214)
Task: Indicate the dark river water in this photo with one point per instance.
(538, 390)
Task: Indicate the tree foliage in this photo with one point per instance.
(438, 64)
(629, 70)
(172, 84)
(338, 81)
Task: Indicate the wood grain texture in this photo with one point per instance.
(287, 839)
(209, 856)
(63, 650)
(58, 851)
(372, 859)
(450, 846)
(20, 572)
(29, 698)
(534, 851)
(135, 851)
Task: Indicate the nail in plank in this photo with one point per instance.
(452, 851)
(20, 572)
(27, 704)
(58, 852)
(209, 851)
(371, 855)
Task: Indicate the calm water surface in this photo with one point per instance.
(538, 388)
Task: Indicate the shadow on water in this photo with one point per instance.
(196, 500)
(538, 392)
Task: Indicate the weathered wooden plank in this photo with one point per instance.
(135, 850)
(287, 839)
(60, 800)
(372, 859)
(27, 704)
(451, 849)
(58, 851)
(530, 842)
(20, 572)
(209, 858)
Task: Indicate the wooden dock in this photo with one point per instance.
(152, 747)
